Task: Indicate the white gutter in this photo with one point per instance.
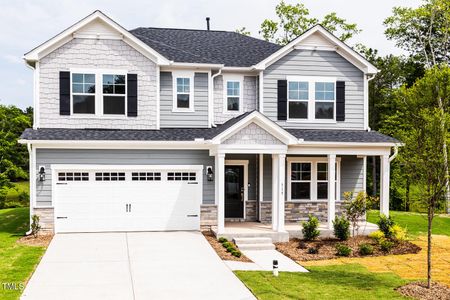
(31, 166)
(394, 155)
(366, 112)
(211, 96)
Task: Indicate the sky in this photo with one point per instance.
(26, 24)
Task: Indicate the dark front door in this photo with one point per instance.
(234, 191)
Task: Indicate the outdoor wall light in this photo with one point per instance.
(41, 173)
(209, 173)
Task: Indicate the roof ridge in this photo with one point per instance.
(186, 29)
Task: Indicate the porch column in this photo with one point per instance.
(275, 162)
(384, 186)
(220, 191)
(331, 189)
(281, 189)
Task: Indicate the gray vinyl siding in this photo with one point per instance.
(267, 178)
(352, 175)
(251, 171)
(317, 63)
(46, 157)
(198, 118)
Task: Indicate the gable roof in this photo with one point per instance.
(206, 46)
(97, 16)
(335, 44)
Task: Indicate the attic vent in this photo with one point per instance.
(207, 23)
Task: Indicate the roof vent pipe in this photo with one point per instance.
(207, 23)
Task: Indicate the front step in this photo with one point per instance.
(255, 243)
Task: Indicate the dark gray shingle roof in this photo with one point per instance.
(202, 46)
(345, 136)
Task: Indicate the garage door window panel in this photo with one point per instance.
(73, 176)
(181, 176)
(110, 176)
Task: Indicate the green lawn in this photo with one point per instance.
(324, 282)
(415, 223)
(17, 261)
(12, 197)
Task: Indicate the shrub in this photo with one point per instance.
(313, 250)
(222, 240)
(343, 250)
(23, 197)
(365, 249)
(398, 233)
(356, 208)
(309, 230)
(226, 244)
(386, 245)
(385, 224)
(377, 235)
(341, 227)
(35, 226)
(236, 253)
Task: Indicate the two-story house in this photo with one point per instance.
(174, 129)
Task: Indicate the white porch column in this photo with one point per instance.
(384, 186)
(275, 180)
(331, 189)
(281, 189)
(220, 191)
(261, 184)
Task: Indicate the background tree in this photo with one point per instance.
(293, 20)
(425, 128)
(243, 31)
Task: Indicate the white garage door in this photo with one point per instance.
(125, 199)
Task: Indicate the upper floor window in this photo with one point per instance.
(233, 95)
(83, 93)
(183, 92)
(114, 89)
(311, 98)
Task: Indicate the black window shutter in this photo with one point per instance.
(132, 99)
(64, 93)
(282, 99)
(340, 101)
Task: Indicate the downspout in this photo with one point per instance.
(394, 155)
(369, 78)
(31, 165)
(211, 91)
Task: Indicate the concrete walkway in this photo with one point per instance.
(263, 261)
(144, 265)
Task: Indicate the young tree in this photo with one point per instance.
(293, 20)
(427, 130)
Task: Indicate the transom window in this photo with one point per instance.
(311, 98)
(146, 176)
(83, 93)
(181, 176)
(308, 180)
(73, 176)
(114, 89)
(233, 95)
(109, 176)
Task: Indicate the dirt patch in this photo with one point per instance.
(42, 240)
(298, 249)
(221, 251)
(420, 291)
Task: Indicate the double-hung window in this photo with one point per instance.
(83, 93)
(308, 179)
(311, 98)
(183, 87)
(114, 89)
(233, 96)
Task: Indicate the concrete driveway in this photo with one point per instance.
(138, 265)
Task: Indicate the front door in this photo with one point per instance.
(234, 191)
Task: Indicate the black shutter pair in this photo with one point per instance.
(64, 94)
(282, 100)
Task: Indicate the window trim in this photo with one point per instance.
(313, 192)
(124, 95)
(233, 78)
(98, 95)
(175, 76)
(311, 98)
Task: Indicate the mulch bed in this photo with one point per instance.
(221, 251)
(297, 249)
(42, 240)
(419, 290)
